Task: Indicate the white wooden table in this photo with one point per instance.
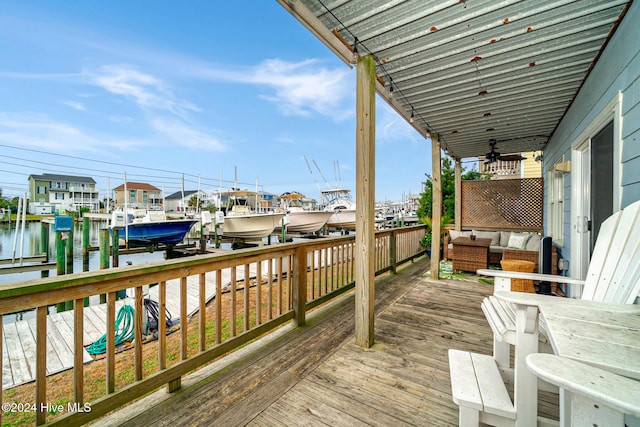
(600, 334)
(603, 335)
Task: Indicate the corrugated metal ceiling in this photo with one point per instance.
(471, 71)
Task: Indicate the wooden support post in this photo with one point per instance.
(69, 250)
(85, 243)
(115, 247)
(104, 248)
(104, 254)
(436, 215)
(458, 194)
(60, 254)
(44, 245)
(365, 195)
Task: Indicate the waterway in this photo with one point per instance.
(12, 248)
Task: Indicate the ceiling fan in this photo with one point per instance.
(493, 156)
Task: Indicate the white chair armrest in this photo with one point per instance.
(618, 392)
(531, 276)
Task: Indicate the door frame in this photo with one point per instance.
(580, 184)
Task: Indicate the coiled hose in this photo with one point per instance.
(124, 331)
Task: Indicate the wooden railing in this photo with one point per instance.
(261, 288)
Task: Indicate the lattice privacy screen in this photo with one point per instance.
(503, 204)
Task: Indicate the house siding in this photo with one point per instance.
(617, 71)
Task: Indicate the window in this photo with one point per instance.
(41, 189)
(556, 204)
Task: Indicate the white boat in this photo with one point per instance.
(240, 222)
(301, 220)
(338, 201)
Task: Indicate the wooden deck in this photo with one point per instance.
(316, 375)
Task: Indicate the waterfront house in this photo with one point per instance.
(179, 201)
(137, 194)
(53, 193)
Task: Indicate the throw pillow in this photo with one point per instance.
(533, 244)
(455, 234)
(518, 240)
(493, 235)
(504, 238)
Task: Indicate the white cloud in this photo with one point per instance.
(186, 136)
(298, 88)
(75, 105)
(147, 91)
(35, 130)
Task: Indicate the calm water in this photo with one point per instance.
(32, 247)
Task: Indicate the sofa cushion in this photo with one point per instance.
(533, 244)
(454, 234)
(496, 249)
(518, 240)
(493, 235)
(504, 238)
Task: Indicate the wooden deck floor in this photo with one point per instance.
(317, 376)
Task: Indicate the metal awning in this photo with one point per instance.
(471, 71)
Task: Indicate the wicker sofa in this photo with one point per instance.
(504, 245)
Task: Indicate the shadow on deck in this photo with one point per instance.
(316, 375)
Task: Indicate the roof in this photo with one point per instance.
(471, 71)
(178, 194)
(64, 178)
(137, 186)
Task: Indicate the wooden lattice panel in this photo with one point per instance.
(504, 204)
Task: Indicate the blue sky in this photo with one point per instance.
(164, 89)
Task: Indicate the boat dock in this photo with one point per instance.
(19, 342)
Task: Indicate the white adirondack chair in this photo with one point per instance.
(613, 276)
(479, 382)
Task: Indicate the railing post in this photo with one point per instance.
(299, 285)
(44, 245)
(85, 243)
(392, 251)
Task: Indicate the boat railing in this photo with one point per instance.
(255, 291)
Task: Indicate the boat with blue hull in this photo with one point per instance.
(151, 228)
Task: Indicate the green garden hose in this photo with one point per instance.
(124, 331)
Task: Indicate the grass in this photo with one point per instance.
(60, 386)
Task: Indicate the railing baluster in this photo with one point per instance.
(138, 335)
(162, 326)
(202, 312)
(218, 306)
(78, 349)
(111, 348)
(247, 287)
(41, 365)
(279, 296)
(313, 273)
(232, 311)
(183, 318)
(259, 293)
(270, 289)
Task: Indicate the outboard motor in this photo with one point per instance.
(544, 264)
